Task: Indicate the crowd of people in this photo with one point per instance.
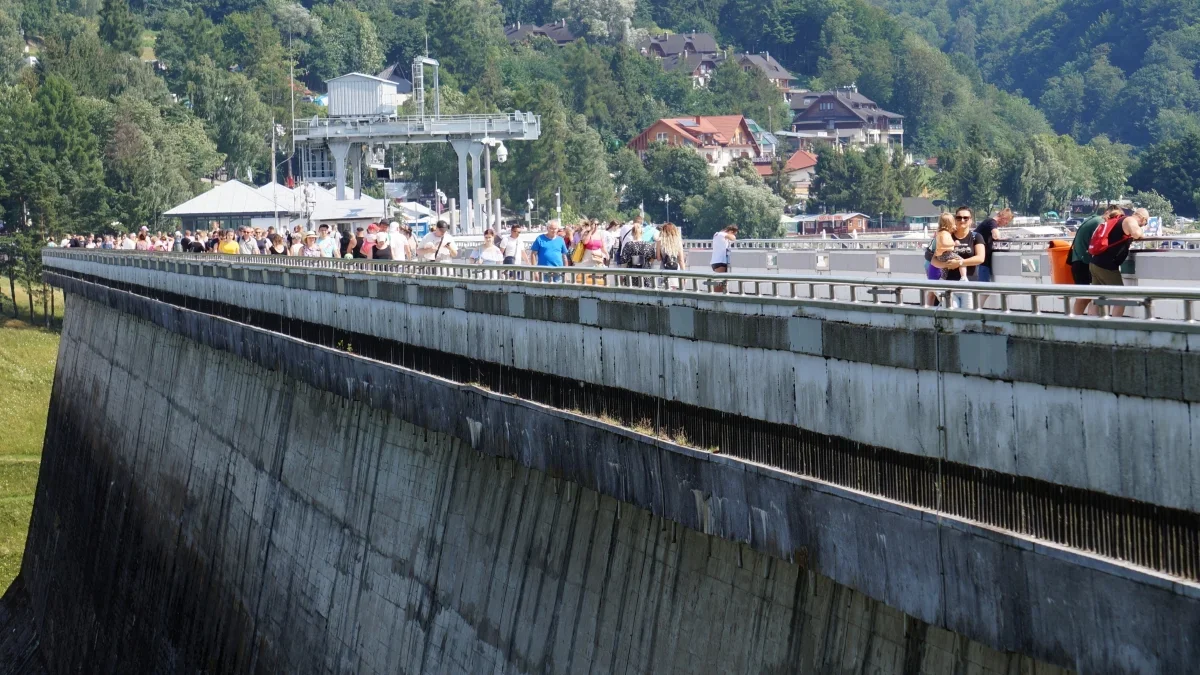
(960, 250)
(963, 251)
(634, 244)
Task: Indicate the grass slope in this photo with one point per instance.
(27, 357)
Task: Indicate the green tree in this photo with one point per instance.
(237, 120)
(589, 186)
(675, 171)
(1172, 168)
(546, 164)
(969, 177)
(836, 68)
(779, 182)
(1110, 164)
(119, 27)
(600, 20)
(460, 32)
(11, 47)
(184, 38)
(629, 177)
(910, 180)
(71, 187)
(837, 178)
(730, 199)
(347, 42)
(1156, 204)
(878, 191)
(153, 163)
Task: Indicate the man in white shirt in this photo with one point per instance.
(720, 253)
(438, 245)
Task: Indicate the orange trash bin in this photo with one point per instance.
(1060, 270)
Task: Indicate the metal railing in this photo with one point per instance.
(892, 244)
(1137, 303)
(337, 127)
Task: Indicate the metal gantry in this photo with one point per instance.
(326, 143)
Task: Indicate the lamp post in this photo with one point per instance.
(558, 205)
(666, 199)
(501, 157)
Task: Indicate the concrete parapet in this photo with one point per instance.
(1020, 394)
(348, 514)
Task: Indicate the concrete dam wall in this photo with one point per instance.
(1005, 484)
(217, 498)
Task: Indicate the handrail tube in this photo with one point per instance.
(706, 283)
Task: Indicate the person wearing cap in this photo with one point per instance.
(312, 246)
(438, 245)
(325, 242)
(368, 247)
(383, 248)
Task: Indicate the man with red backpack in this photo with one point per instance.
(1109, 247)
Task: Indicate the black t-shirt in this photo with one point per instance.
(987, 230)
(965, 248)
(195, 246)
(1115, 255)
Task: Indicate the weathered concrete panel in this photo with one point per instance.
(323, 586)
(1063, 362)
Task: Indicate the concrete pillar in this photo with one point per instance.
(463, 149)
(496, 215)
(339, 149)
(356, 166)
(477, 204)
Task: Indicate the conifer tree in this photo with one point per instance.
(119, 27)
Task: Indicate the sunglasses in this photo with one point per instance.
(962, 219)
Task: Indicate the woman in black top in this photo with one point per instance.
(277, 246)
(968, 244)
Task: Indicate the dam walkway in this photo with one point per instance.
(992, 480)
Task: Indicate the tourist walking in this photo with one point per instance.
(549, 249)
(311, 248)
(326, 242)
(510, 246)
(593, 241)
(438, 245)
(719, 260)
(277, 246)
(229, 244)
(489, 253)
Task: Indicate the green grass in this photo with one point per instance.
(27, 356)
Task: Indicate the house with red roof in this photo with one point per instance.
(718, 139)
(799, 169)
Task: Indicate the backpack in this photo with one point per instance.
(1099, 243)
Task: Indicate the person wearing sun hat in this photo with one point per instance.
(310, 249)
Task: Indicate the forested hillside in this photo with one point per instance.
(1124, 68)
(133, 105)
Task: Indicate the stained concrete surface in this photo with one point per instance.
(202, 512)
(1018, 394)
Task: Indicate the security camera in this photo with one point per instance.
(501, 154)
